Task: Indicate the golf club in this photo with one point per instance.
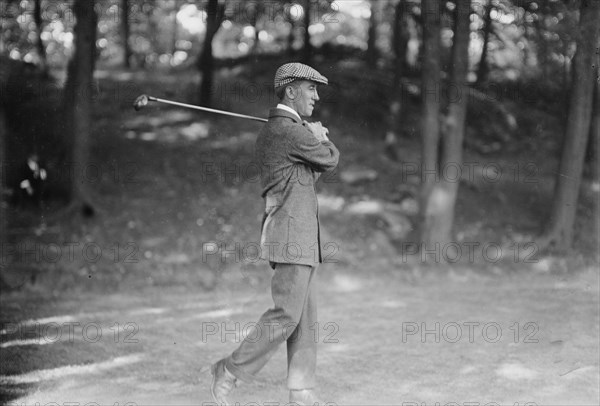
(143, 100)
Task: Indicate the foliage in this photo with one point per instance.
(529, 38)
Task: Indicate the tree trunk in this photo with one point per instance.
(254, 22)
(154, 30)
(78, 96)
(543, 50)
(527, 38)
(372, 53)
(559, 234)
(440, 206)
(430, 109)
(593, 147)
(308, 48)
(483, 68)
(566, 67)
(39, 28)
(214, 17)
(125, 33)
(3, 177)
(175, 33)
(291, 38)
(4, 243)
(400, 41)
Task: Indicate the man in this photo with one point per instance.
(292, 154)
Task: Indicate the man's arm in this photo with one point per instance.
(321, 156)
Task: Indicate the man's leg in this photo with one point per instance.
(289, 288)
(302, 345)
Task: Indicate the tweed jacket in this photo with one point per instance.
(291, 160)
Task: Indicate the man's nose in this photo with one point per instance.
(316, 96)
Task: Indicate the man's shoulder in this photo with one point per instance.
(283, 126)
(279, 113)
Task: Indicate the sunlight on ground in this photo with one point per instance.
(516, 372)
(46, 320)
(393, 304)
(346, 283)
(195, 131)
(330, 203)
(46, 374)
(365, 207)
(166, 117)
(31, 341)
(171, 134)
(215, 314)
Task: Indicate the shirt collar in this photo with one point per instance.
(289, 110)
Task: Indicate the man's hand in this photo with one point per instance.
(317, 130)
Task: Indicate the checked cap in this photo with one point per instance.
(291, 71)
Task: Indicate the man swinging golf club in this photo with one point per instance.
(292, 154)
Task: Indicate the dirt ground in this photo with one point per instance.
(441, 337)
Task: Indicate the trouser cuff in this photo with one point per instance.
(238, 372)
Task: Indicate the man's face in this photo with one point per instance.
(304, 97)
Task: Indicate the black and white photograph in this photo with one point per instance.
(300, 203)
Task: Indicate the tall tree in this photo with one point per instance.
(125, 33)
(593, 147)
(3, 204)
(559, 234)
(308, 48)
(430, 110)
(78, 96)
(400, 41)
(372, 53)
(292, 34)
(539, 22)
(39, 28)
(254, 19)
(483, 68)
(439, 215)
(4, 257)
(215, 13)
(175, 33)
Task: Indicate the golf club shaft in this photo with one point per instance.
(191, 106)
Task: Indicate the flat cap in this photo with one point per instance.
(292, 71)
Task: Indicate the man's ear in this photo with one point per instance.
(290, 91)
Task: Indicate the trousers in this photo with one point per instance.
(290, 320)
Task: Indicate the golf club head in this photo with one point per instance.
(140, 102)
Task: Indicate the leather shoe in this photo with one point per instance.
(223, 382)
(305, 397)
